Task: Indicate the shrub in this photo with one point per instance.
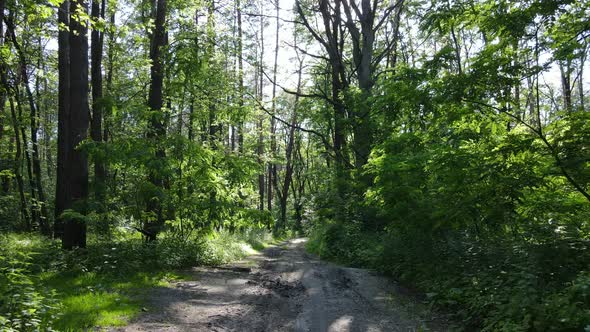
(24, 304)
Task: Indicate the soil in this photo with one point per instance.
(284, 289)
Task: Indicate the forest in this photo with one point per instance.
(444, 144)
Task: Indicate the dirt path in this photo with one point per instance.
(283, 289)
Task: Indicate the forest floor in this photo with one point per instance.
(284, 289)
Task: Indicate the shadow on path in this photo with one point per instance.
(287, 290)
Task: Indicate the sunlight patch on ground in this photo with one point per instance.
(343, 323)
(248, 250)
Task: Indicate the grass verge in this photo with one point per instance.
(106, 284)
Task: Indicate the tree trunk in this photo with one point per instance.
(97, 40)
(566, 88)
(260, 147)
(18, 160)
(38, 208)
(63, 54)
(240, 80)
(272, 167)
(191, 121)
(35, 220)
(581, 80)
(76, 166)
(3, 94)
(393, 56)
(284, 193)
(157, 130)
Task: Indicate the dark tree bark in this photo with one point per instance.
(38, 208)
(363, 54)
(157, 129)
(35, 220)
(359, 25)
(97, 40)
(108, 111)
(3, 93)
(300, 167)
(272, 167)
(581, 79)
(191, 121)
(76, 166)
(392, 53)
(18, 159)
(284, 193)
(214, 126)
(47, 129)
(333, 43)
(18, 126)
(63, 55)
(566, 85)
(259, 125)
(240, 79)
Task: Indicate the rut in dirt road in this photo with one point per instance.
(282, 289)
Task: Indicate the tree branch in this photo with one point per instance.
(309, 131)
(308, 26)
(543, 138)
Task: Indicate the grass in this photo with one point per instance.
(107, 284)
(92, 300)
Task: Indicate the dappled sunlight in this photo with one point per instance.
(343, 323)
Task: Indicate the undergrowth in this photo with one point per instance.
(43, 288)
(490, 286)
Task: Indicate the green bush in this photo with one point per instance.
(479, 219)
(25, 305)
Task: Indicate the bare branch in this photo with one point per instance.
(308, 26)
(272, 17)
(316, 56)
(386, 14)
(321, 136)
(291, 92)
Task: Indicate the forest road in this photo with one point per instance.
(282, 289)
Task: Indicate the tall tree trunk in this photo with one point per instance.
(298, 188)
(3, 94)
(284, 193)
(240, 80)
(393, 54)
(97, 40)
(363, 40)
(215, 135)
(581, 79)
(157, 129)
(333, 43)
(47, 130)
(35, 220)
(35, 177)
(566, 87)
(191, 121)
(272, 167)
(260, 147)
(76, 167)
(108, 112)
(214, 127)
(18, 160)
(63, 54)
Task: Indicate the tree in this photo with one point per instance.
(156, 130)
(72, 181)
(61, 186)
(96, 129)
